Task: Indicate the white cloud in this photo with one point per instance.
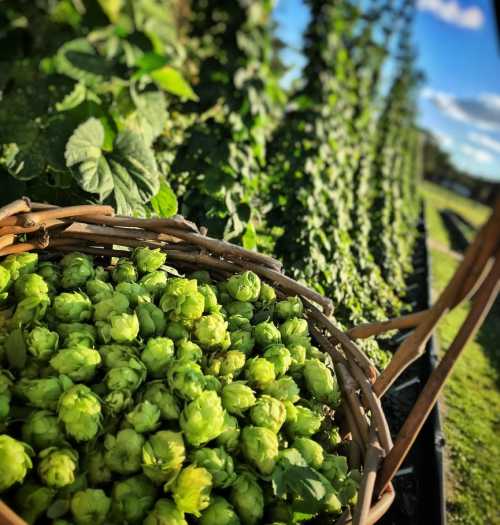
(476, 154)
(484, 140)
(482, 111)
(452, 12)
(444, 139)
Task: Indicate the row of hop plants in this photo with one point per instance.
(132, 395)
(166, 106)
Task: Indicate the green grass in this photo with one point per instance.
(472, 396)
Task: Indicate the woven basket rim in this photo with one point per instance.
(96, 230)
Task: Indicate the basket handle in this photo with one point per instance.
(478, 275)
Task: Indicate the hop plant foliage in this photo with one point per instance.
(163, 425)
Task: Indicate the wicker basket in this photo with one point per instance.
(26, 226)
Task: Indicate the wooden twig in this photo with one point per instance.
(481, 304)
(7, 240)
(18, 206)
(412, 347)
(9, 517)
(373, 458)
(341, 338)
(39, 217)
(363, 331)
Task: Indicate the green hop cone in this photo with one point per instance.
(42, 429)
(152, 321)
(6, 384)
(5, 279)
(118, 401)
(267, 294)
(80, 411)
(41, 343)
(124, 451)
(128, 377)
(237, 398)
(244, 286)
(218, 462)
(98, 290)
(30, 285)
(72, 307)
(232, 364)
(219, 512)
(188, 351)
(186, 379)
(132, 499)
(15, 461)
(280, 357)
(158, 394)
(211, 331)
(148, 260)
(335, 468)
(212, 383)
(115, 355)
(242, 341)
(209, 293)
(162, 456)
(154, 283)
(79, 363)
(294, 330)
(145, 417)
(244, 309)
(259, 372)
(248, 499)
(348, 492)
(51, 275)
(32, 500)
(284, 389)
(124, 327)
(20, 264)
(90, 507)
(290, 307)
(177, 330)
(98, 473)
(268, 412)
(73, 334)
(102, 274)
(116, 304)
(165, 512)
(311, 451)
(239, 322)
(203, 419)
(229, 438)
(191, 491)
(57, 466)
(321, 382)
(30, 310)
(78, 268)
(43, 393)
(260, 447)
(158, 355)
(124, 272)
(266, 334)
(298, 354)
(307, 422)
(134, 292)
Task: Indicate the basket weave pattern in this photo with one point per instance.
(26, 226)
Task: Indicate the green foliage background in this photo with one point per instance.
(166, 106)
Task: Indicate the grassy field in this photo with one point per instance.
(472, 397)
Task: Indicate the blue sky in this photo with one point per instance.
(459, 54)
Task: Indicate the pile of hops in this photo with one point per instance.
(133, 395)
